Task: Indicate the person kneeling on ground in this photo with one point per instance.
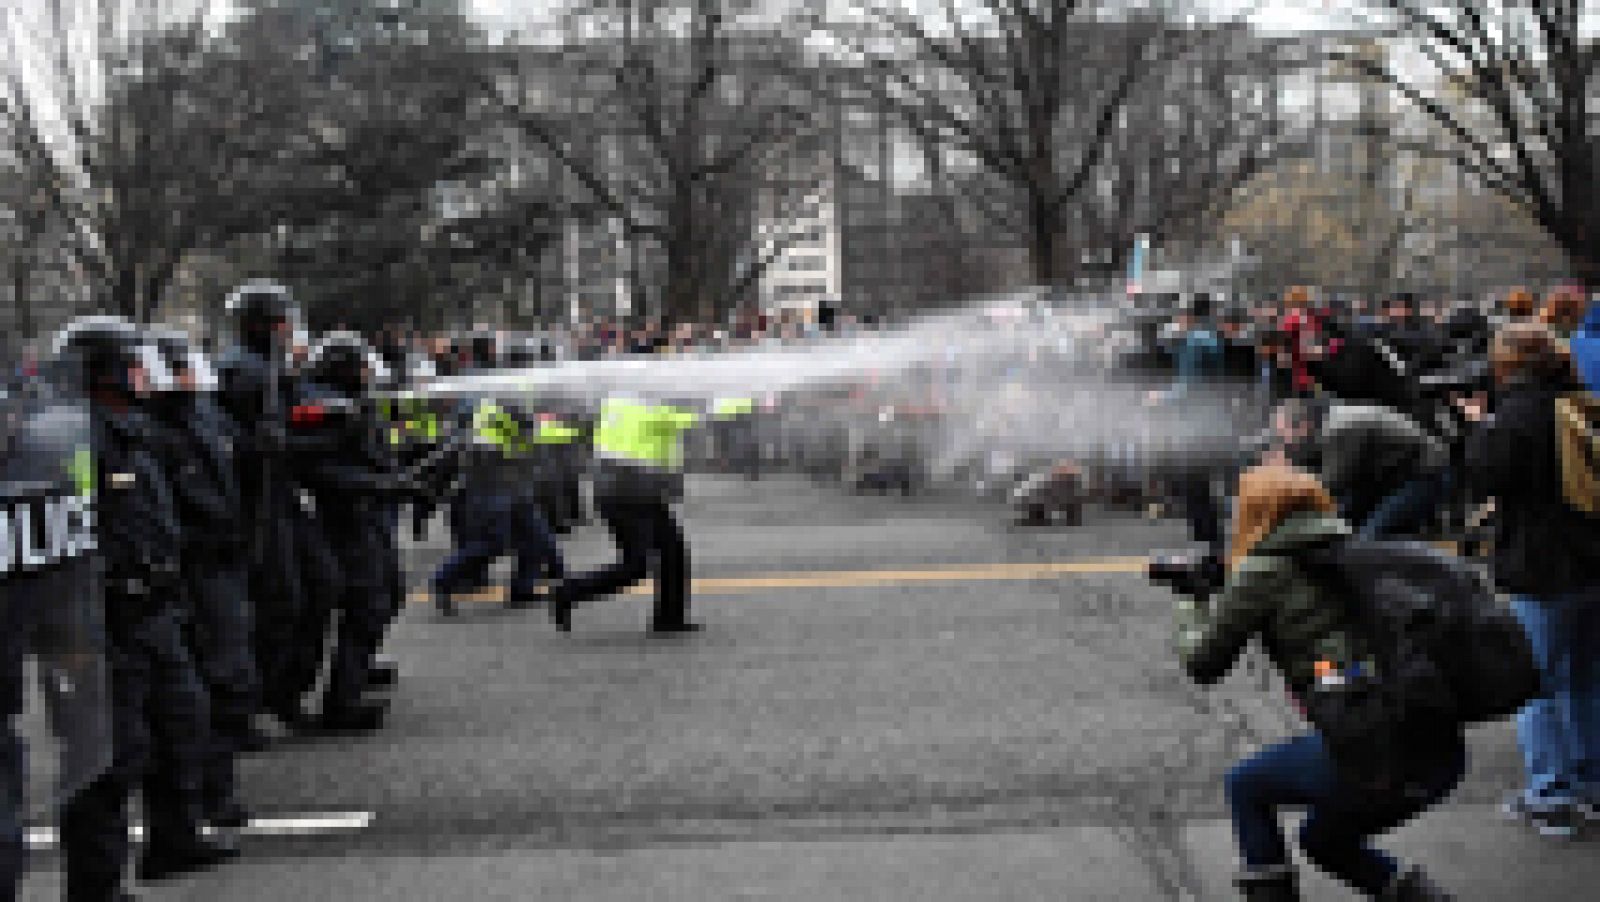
(1281, 510)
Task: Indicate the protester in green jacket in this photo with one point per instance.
(1301, 624)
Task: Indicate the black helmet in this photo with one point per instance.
(344, 360)
(259, 307)
(102, 352)
(182, 356)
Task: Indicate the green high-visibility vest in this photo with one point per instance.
(494, 425)
(732, 407)
(647, 434)
(555, 432)
(420, 421)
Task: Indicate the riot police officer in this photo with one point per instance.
(200, 457)
(350, 469)
(257, 395)
(159, 708)
(50, 606)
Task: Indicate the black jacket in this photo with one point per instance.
(136, 518)
(1542, 546)
(260, 420)
(198, 451)
(344, 459)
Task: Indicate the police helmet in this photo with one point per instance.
(345, 361)
(104, 352)
(182, 357)
(261, 305)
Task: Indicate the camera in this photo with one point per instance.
(1196, 575)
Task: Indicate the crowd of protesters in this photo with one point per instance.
(1381, 420)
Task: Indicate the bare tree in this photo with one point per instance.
(1038, 95)
(681, 119)
(111, 142)
(1512, 91)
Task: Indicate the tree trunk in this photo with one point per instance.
(20, 278)
(124, 296)
(1042, 242)
(678, 301)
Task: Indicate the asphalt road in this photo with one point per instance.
(892, 699)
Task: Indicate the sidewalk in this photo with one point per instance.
(1473, 853)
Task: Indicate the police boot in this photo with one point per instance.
(1412, 885)
(1275, 884)
(444, 603)
(383, 673)
(559, 602)
(288, 713)
(113, 895)
(251, 739)
(227, 815)
(197, 853)
(519, 599)
(352, 717)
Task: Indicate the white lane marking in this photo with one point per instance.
(306, 825)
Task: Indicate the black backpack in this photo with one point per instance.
(1444, 653)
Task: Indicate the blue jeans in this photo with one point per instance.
(1338, 823)
(497, 526)
(1405, 512)
(1560, 731)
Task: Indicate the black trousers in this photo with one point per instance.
(13, 759)
(648, 539)
(160, 736)
(220, 632)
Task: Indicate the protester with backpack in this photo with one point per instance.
(1547, 556)
(1305, 627)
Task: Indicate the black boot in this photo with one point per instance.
(1275, 884)
(354, 717)
(382, 674)
(444, 603)
(288, 713)
(195, 853)
(251, 739)
(227, 815)
(685, 627)
(1412, 885)
(520, 600)
(559, 602)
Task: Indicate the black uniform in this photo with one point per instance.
(352, 475)
(159, 708)
(199, 452)
(257, 398)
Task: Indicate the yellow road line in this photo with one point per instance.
(851, 579)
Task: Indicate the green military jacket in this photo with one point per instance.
(1297, 621)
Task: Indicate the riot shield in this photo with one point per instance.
(50, 598)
